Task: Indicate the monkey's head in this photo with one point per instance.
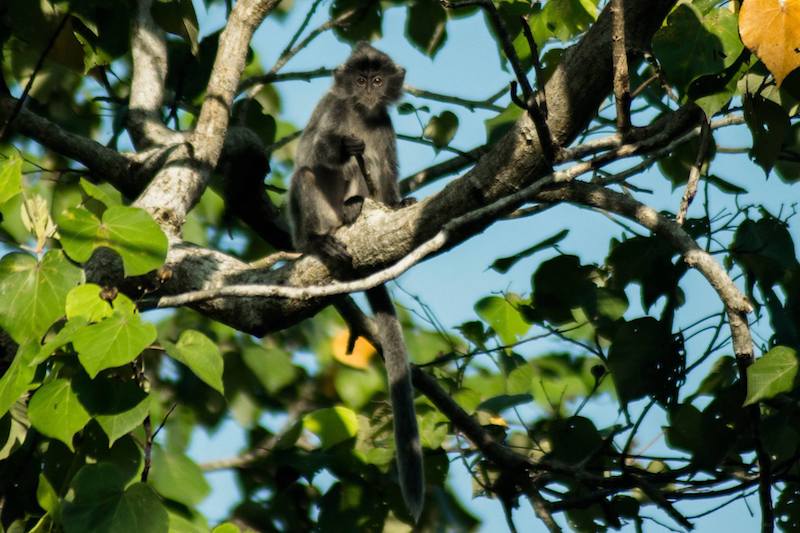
(370, 78)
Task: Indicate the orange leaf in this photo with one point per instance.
(362, 352)
(771, 30)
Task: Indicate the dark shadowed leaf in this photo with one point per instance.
(100, 503)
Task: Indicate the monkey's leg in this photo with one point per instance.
(406, 433)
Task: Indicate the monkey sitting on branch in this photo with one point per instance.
(348, 152)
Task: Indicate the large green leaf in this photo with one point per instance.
(115, 341)
(178, 478)
(118, 406)
(201, 355)
(502, 315)
(426, 26)
(645, 360)
(55, 411)
(271, 366)
(129, 231)
(690, 45)
(32, 293)
(10, 177)
(99, 502)
(771, 374)
(332, 425)
(85, 301)
(18, 376)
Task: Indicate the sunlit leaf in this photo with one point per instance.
(771, 374)
(115, 341)
(129, 231)
(55, 411)
(332, 424)
(201, 355)
(33, 293)
(10, 177)
(501, 314)
(178, 478)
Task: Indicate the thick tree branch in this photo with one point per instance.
(184, 177)
(149, 52)
(101, 160)
(574, 92)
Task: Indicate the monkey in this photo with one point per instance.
(347, 153)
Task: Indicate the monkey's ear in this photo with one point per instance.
(338, 74)
(401, 74)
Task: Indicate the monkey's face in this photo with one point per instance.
(370, 78)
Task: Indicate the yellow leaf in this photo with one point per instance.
(362, 352)
(771, 30)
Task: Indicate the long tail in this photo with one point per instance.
(406, 433)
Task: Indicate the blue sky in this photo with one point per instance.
(450, 284)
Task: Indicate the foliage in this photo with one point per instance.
(100, 400)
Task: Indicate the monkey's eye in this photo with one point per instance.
(361, 80)
(377, 80)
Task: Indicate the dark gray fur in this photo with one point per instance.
(327, 192)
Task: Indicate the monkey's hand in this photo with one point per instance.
(352, 209)
(406, 202)
(352, 145)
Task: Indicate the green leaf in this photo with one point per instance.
(85, 301)
(788, 164)
(271, 366)
(179, 523)
(764, 249)
(18, 376)
(119, 406)
(364, 25)
(104, 193)
(178, 478)
(14, 427)
(60, 339)
(771, 374)
(441, 129)
(46, 496)
(98, 502)
(503, 317)
(356, 387)
(503, 264)
(10, 177)
(129, 231)
(332, 425)
(179, 18)
(115, 341)
(769, 124)
(426, 26)
(55, 411)
(691, 45)
(227, 527)
(567, 18)
(32, 294)
(644, 360)
(201, 355)
(498, 125)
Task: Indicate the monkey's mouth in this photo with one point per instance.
(370, 102)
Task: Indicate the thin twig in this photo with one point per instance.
(694, 173)
(446, 98)
(39, 63)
